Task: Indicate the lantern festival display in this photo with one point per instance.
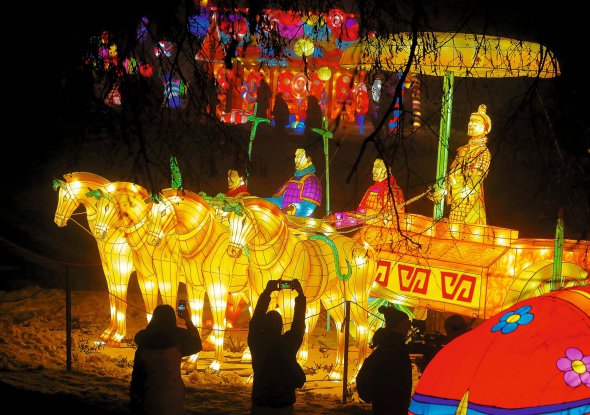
(532, 358)
(464, 268)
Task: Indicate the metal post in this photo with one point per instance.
(346, 335)
(557, 276)
(443, 141)
(68, 321)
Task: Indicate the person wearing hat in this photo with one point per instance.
(464, 184)
(236, 185)
(385, 379)
(302, 193)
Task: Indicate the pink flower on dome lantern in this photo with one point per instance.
(576, 367)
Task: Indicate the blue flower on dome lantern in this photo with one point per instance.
(164, 47)
(511, 320)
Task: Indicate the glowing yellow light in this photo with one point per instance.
(196, 305)
(246, 356)
(149, 285)
(133, 188)
(120, 316)
(336, 376)
(110, 187)
(215, 365)
(362, 329)
(304, 46)
(303, 354)
(324, 73)
(360, 260)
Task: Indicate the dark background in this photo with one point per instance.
(539, 142)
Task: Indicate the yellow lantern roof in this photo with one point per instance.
(467, 55)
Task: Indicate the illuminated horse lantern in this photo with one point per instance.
(127, 207)
(275, 251)
(202, 242)
(115, 252)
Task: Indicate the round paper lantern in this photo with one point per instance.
(336, 19)
(376, 90)
(361, 99)
(146, 70)
(284, 84)
(299, 85)
(324, 73)
(304, 46)
(250, 88)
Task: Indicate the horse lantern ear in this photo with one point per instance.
(238, 209)
(58, 184)
(96, 193)
(154, 197)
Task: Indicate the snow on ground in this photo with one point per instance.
(33, 361)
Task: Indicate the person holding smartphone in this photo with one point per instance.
(156, 384)
(274, 354)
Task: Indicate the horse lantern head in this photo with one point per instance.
(242, 228)
(107, 213)
(67, 201)
(162, 218)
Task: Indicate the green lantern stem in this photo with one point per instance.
(557, 280)
(443, 141)
(255, 121)
(326, 135)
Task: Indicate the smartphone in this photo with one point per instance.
(181, 308)
(286, 284)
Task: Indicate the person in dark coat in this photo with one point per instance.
(156, 385)
(314, 114)
(280, 113)
(274, 355)
(389, 365)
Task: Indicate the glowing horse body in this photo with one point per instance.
(115, 252)
(277, 252)
(203, 243)
(127, 207)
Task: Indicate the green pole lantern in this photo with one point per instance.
(255, 121)
(326, 135)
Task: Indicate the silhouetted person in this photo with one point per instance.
(280, 113)
(313, 118)
(263, 99)
(156, 385)
(455, 325)
(274, 355)
(385, 379)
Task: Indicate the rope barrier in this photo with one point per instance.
(24, 298)
(51, 260)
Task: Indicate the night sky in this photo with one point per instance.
(49, 99)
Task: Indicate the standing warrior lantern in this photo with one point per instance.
(464, 183)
